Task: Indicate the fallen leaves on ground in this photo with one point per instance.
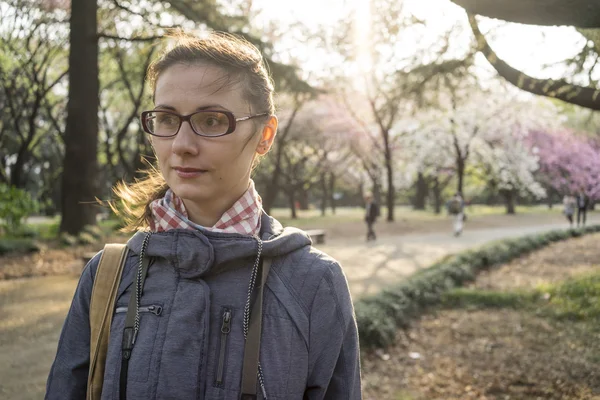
(50, 260)
(497, 354)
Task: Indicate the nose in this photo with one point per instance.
(186, 141)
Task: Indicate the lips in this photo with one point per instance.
(186, 172)
(184, 169)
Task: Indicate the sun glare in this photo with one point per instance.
(362, 32)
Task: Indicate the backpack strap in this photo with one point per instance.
(250, 366)
(102, 304)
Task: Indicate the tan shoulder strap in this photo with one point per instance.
(251, 365)
(102, 304)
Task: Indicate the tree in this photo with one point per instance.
(569, 163)
(510, 166)
(582, 14)
(30, 69)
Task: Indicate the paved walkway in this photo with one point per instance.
(32, 310)
(370, 266)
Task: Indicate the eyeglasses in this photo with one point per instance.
(209, 123)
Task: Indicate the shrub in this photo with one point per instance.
(20, 245)
(93, 230)
(68, 240)
(380, 316)
(15, 206)
(86, 238)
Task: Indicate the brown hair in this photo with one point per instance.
(242, 62)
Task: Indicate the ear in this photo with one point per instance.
(268, 136)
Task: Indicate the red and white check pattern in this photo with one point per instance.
(243, 217)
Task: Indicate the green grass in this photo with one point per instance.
(473, 299)
(308, 218)
(576, 299)
(404, 396)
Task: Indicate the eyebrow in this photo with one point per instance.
(209, 107)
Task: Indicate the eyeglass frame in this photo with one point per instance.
(183, 118)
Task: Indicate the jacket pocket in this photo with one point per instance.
(143, 350)
(226, 318)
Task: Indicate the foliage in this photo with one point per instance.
(86, 238)
(68, 240)
(15, 206)
(569, 162)
(380, 316)
(17, 245)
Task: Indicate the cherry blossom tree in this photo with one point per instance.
(569, 162)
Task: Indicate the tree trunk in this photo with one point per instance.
(303, 200)
(361, 192)
(324, 194)
(391, 192)
(460, 173)
(421, 193)
(81, 133)
(332, 192)
(376, 191)
(16, 170)
(509, 200)
(273, 186)
(292, 200)
(437, 195)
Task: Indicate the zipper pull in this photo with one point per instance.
(226, 327)
(156, 310)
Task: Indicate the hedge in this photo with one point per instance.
(18, 245)
(380, 316)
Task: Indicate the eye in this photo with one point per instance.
(212, 121)
(166, 119)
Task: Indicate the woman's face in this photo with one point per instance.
(207, 172)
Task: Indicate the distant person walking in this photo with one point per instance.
(371, 214)
(582, 204)
(456, 207)
(569, 203)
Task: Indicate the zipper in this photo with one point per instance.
(154, 309)
(225, 329)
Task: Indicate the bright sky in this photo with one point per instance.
(527, 48)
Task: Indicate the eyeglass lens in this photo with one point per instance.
(210, 123)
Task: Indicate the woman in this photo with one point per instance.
(204, 233)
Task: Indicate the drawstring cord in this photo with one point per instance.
(138, 286)
(246, 322)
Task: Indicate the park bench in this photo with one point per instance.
(317, 235)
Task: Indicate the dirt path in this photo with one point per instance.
(33, 311)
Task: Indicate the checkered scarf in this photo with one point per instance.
(243, 217)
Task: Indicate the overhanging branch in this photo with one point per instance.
(587, 97)
(578, 13)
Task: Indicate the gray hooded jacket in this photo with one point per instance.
(190, 342)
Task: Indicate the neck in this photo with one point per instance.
(208, 213)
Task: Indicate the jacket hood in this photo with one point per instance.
(196, 253)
